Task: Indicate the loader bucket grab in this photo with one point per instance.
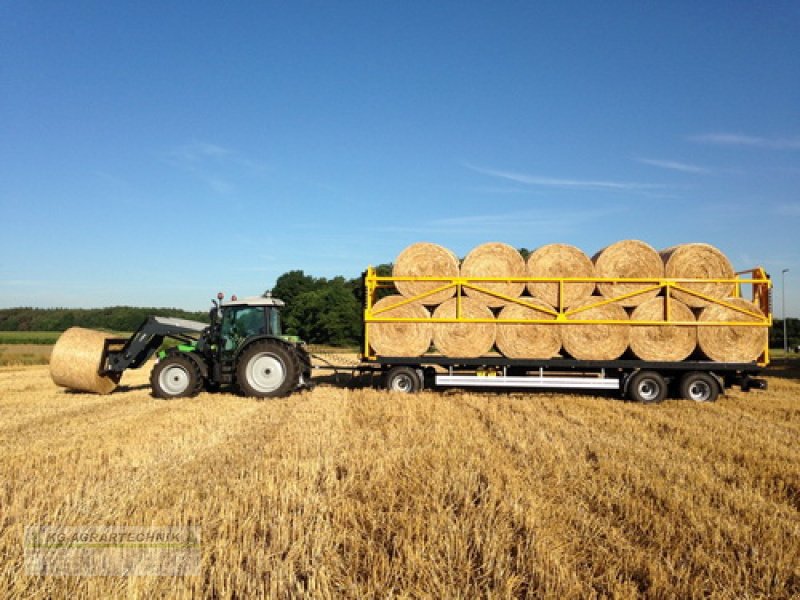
(78, 361)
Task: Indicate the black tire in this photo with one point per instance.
(700, 387)
(647, 387)
(175, 376)
(267, 369)
(405, 380)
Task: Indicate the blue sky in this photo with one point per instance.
(154, 153)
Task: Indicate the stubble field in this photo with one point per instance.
(361, 493)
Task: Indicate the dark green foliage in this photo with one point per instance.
(324, 311)
(329, 314)
(114, 318)
(293, 283)
(792, 333)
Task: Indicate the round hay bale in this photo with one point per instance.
(560, 260)
(628, 259)
(728, 343)
(523, 340)
(596, 342)
(663, 342)
(494, 259)
(75, 361)
(698, 261)
(463, 340)
(400, 339)
(424, 259)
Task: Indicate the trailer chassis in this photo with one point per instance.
(643, 381)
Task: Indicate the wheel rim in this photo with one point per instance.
(174, 380)
(699, 391)
(402, 383)
(265, 372)
(649, 390)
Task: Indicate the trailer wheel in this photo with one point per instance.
(700, 387)
(647, 387)
(403, 379)
(175, 376)
(267, 369)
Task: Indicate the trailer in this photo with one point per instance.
(696, 378)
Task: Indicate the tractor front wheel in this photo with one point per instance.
(267, 369)
(175, 376)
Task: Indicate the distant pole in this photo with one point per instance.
(783, 311)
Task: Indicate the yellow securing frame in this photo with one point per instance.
(759, 281)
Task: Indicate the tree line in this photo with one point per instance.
(112, 318)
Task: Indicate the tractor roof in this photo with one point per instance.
(255, 301)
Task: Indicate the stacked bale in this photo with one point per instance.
(596, 341)
(631, 259)
(727, 343)
(560, 260)
(463, 340)
(425, 260)
(400, 339)
(662, 342)
(524, 340)
(494, 260)
(75, 362)
(698, 261)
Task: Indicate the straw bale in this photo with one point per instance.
(663, 342)
(400, 339)
(596, 342)
(424, 259)
(728, 343)
(628, 259)
(494, 259)
(560, 260)
(75, 361)
(534, 340)
(463, 340)
(698, 261)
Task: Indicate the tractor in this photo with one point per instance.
(243, 346)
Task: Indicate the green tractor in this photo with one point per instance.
(243, 346)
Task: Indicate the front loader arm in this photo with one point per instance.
(146, 340)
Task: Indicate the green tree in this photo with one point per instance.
(327, 315)
(293, 283)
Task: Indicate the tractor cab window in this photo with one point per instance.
(241, 323)
(275, 322)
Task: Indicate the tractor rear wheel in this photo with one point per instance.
(267, 369)
(175, 376)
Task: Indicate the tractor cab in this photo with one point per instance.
(248, 317)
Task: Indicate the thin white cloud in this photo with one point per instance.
(673, 165)
(590, 184)
(542, 221)
(737, 139)
(196, 151)
(215, 165)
